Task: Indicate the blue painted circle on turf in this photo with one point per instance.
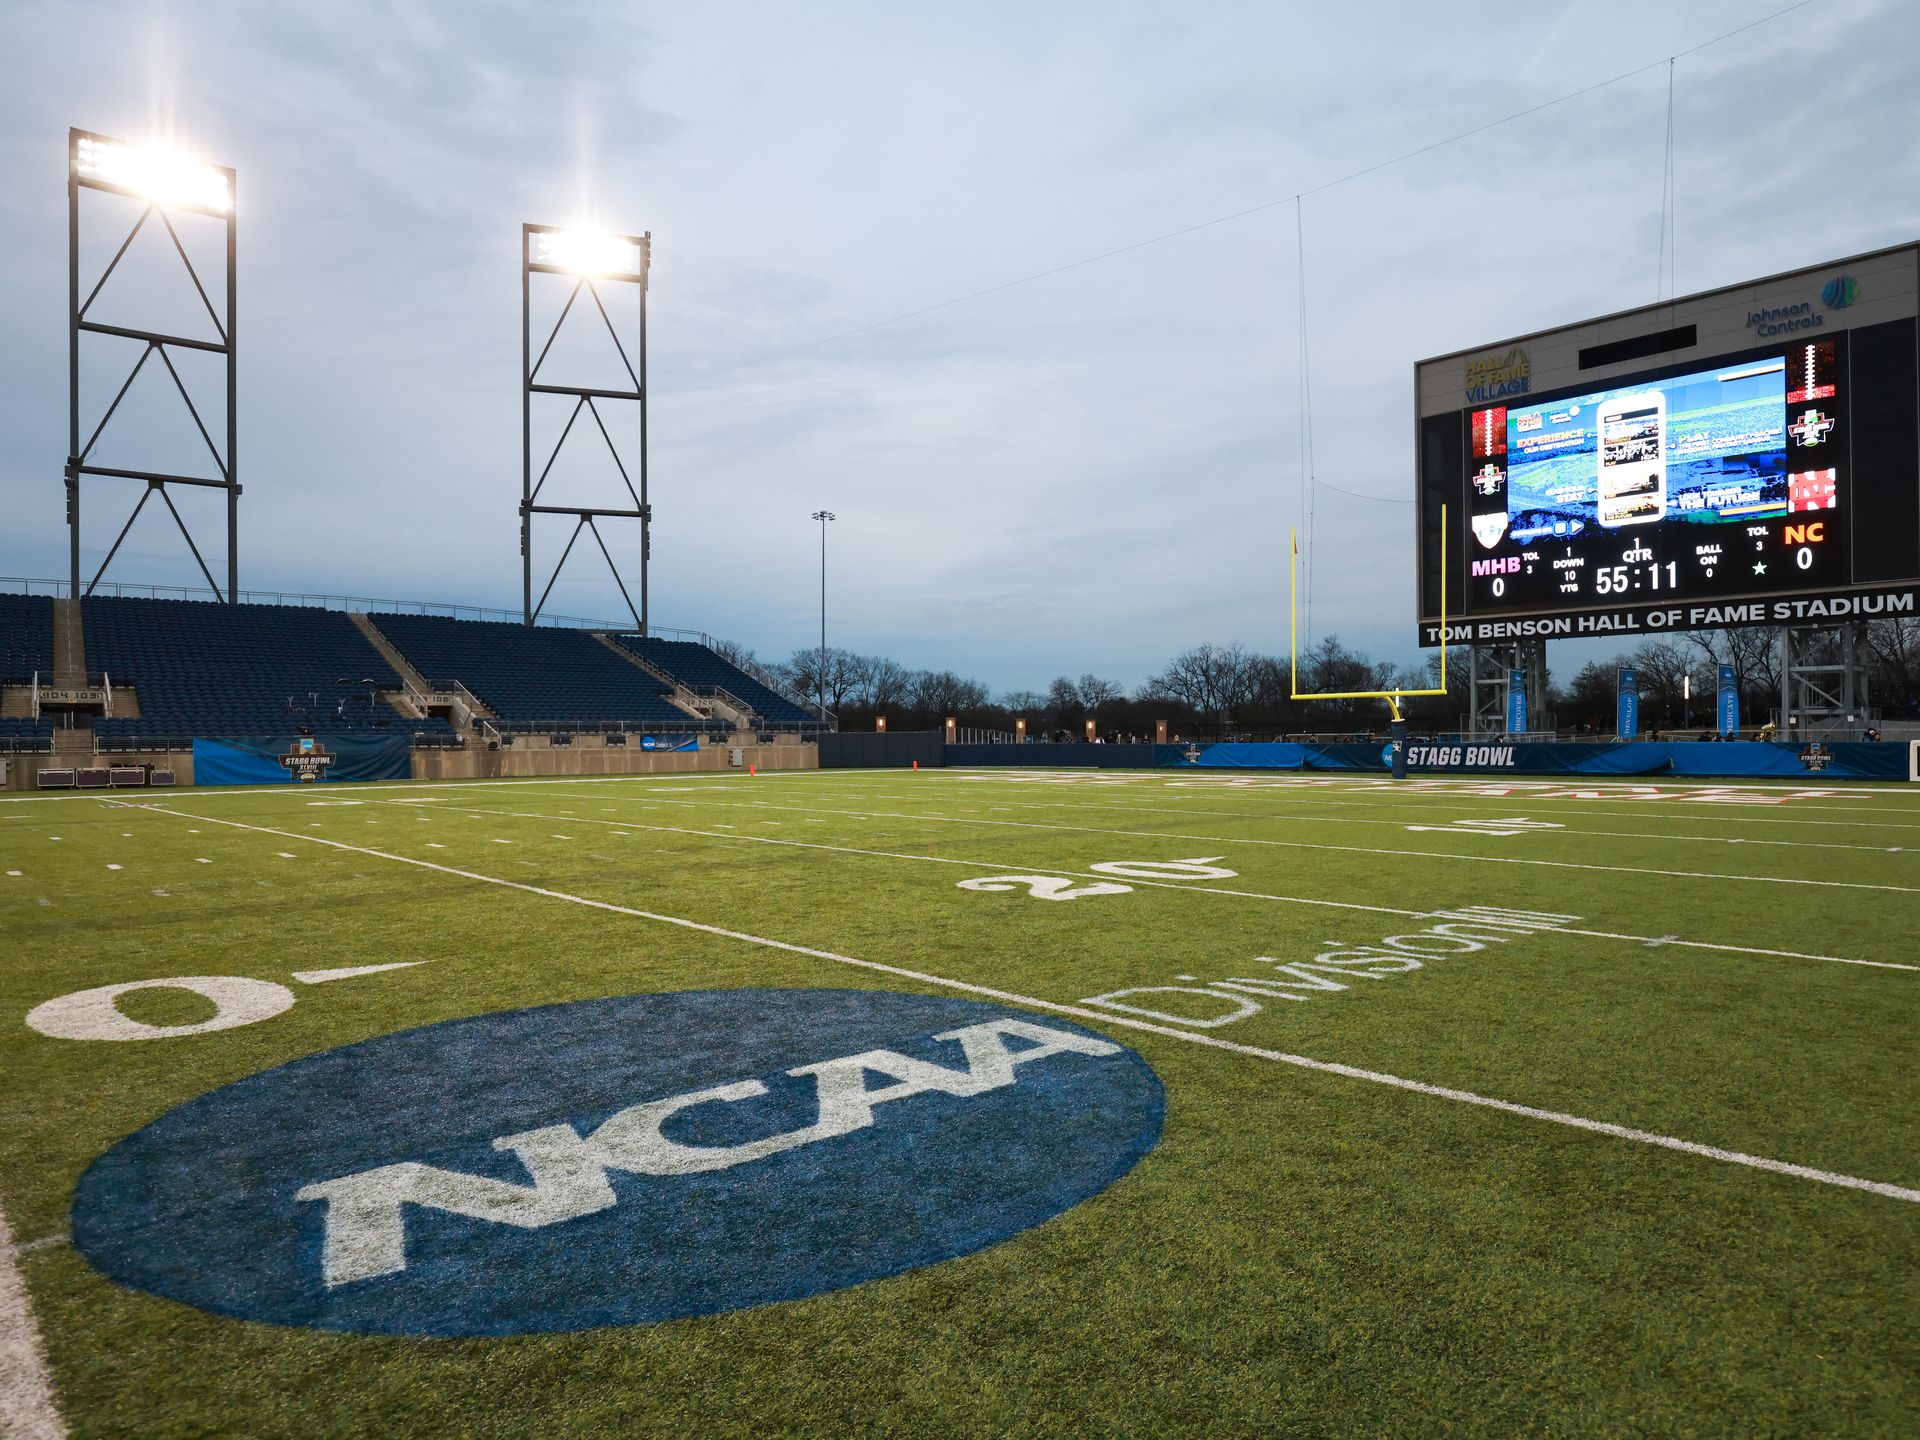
(202, 1205)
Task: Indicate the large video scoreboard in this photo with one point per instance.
(1748, 456)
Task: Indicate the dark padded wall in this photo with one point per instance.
(1884, 372)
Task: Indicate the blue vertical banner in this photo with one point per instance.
(1516, 702)
(1627, 718)
(1729, 702)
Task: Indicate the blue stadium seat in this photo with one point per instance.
(202, 668)
(539, 679)
(26, 638)
(695, 666)
(25, 736)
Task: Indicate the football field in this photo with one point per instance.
(962, 1103)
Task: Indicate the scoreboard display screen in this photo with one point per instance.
(1704, 491)
(1712, 482)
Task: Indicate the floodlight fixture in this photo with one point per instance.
(159, 174)
(167, 181)
(587, 252)
(590, 257)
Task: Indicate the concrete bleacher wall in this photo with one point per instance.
(478, 763)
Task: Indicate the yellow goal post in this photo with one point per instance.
(1392, 697)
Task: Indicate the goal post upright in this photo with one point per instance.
(1398, 723)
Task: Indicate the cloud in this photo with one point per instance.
(1089, 472)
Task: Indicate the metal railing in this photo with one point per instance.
(719, 692)
(27, 585)
(974, 735)
(780, 687)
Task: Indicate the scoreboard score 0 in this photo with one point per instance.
(1746, 456)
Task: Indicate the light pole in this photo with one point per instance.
(820, 674)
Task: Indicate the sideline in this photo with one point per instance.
(1328, 1067)
(27, 1410)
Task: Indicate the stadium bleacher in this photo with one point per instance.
(695, 666)
(201, 668)
(537, 679)
(24, 735)
(26, 638)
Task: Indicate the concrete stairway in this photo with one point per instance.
(682, 698)
(387, 651)
(69, 647)
(75, 745)
(468, 710)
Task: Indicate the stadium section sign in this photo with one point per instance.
(1748, 456)
(617, 1162)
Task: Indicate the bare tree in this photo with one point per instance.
(1211, 680)
(1661, 663)
(1896, 653)
(1063, 701)
(941, 692)
(733, 652)
(1095, 693)
(881, 683)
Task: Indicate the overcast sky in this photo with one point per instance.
(1088, 472)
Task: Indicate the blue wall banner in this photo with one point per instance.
(619, 1161)
(1729, 702)
(1516, 702)
(309, 759)
(1851, 761)
(1627, 716)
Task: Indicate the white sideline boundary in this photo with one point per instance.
(1197, 888)
(27, 1410)
(1327, 1067)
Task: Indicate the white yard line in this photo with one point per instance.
(27, 1410)
(623, 826)
(1328, 1067)
(1531, 791)
(1512, 802)
(1355, 849)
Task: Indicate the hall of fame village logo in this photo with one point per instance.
(308, 760)
(622, 1161)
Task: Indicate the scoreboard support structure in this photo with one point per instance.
(1824, 677)
(1490, 704)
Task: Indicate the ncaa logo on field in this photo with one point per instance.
(617, 1162)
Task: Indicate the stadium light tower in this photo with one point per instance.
(820, 675)
(591, 259)
(169, 184)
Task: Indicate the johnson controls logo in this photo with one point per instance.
(617, 1162)
(1837, 294)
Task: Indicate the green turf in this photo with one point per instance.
(1303, 1254)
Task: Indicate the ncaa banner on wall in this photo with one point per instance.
(305, 759)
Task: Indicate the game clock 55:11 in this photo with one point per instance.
(1721, 480)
